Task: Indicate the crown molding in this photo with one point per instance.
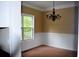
(67, 5)
(34, 7)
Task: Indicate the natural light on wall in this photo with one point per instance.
(28, 26)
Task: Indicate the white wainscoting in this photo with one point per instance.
(31, 43)
(4, 39)
(58, 40)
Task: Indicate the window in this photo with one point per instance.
(28, 26)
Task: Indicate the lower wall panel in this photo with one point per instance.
(31, 43)
(4, 40)
(59, 40)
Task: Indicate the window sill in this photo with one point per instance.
(27, 39)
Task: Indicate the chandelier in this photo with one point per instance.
(53, 16)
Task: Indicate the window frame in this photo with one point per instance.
(24, 14)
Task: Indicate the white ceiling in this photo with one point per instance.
(46, 5)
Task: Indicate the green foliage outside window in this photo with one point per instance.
(27, 27)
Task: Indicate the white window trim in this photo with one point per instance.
(23, 14)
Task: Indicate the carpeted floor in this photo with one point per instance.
(47, 51)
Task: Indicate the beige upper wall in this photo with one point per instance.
(64, 25)
(42, 24)
(37, 15)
